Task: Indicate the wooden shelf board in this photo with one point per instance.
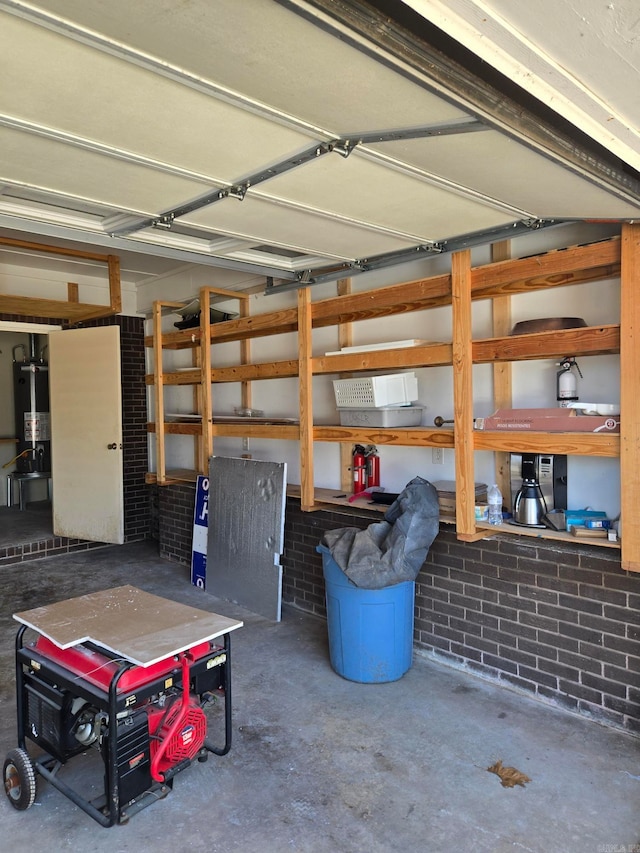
(283, 432)
(557, 268)
(178, 475)
(183, 377)
(244, 328)
(393, 299)
(566, 443)
(408, 436)
(539, 533)
(598, 340)
(287, 369)
(428, 355)
(56, 309)
(178, 428)
(334, 497)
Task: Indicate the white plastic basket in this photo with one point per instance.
(393, 389)
(387, 416)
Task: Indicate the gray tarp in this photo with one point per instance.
(393, 550)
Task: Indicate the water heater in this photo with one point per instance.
(31, 403)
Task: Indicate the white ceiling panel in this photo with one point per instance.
(79, 90)
(67, 170)
(492, 164)
(188, 125)
(268, 222)
(370, 191)
(269, 54)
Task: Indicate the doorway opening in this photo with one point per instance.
(26, 516)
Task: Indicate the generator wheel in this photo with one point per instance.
(19, 779)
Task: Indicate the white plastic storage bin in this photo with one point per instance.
(400, 416)
(393, 389)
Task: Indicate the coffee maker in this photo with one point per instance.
(538, 485)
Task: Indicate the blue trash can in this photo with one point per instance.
(370, 630)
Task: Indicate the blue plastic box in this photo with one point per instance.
(370, 630)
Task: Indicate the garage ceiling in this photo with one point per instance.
(297, 140)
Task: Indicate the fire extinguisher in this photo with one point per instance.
(566, 382)
(359, 468)
(373, 467)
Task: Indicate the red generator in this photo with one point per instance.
(145, 723)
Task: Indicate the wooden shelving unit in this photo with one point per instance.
(69, 309)
(498, 280)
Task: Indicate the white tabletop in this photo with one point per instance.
(135, 625)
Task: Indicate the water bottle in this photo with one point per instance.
(494, 498)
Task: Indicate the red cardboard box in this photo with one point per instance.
(547, 420)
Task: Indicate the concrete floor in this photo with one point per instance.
(19, 527)
(320, 764)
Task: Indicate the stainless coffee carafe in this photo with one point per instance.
(530, 507)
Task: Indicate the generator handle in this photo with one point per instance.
(156, 775)
(216, 750)
(112, 790)
(22, 737)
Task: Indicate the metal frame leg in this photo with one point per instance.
(227, 704)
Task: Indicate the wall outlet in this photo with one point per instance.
(437, 455)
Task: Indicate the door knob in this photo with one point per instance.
(112, 446)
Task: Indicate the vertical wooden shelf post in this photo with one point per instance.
(345, 339)
(115, 287)
(199, 460)
(305, 391)
(206, 432)
(159, 393)
(463, 393)
(245, 357)
(629, 397)
(502, 391)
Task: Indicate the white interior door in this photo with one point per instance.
(86, 434)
